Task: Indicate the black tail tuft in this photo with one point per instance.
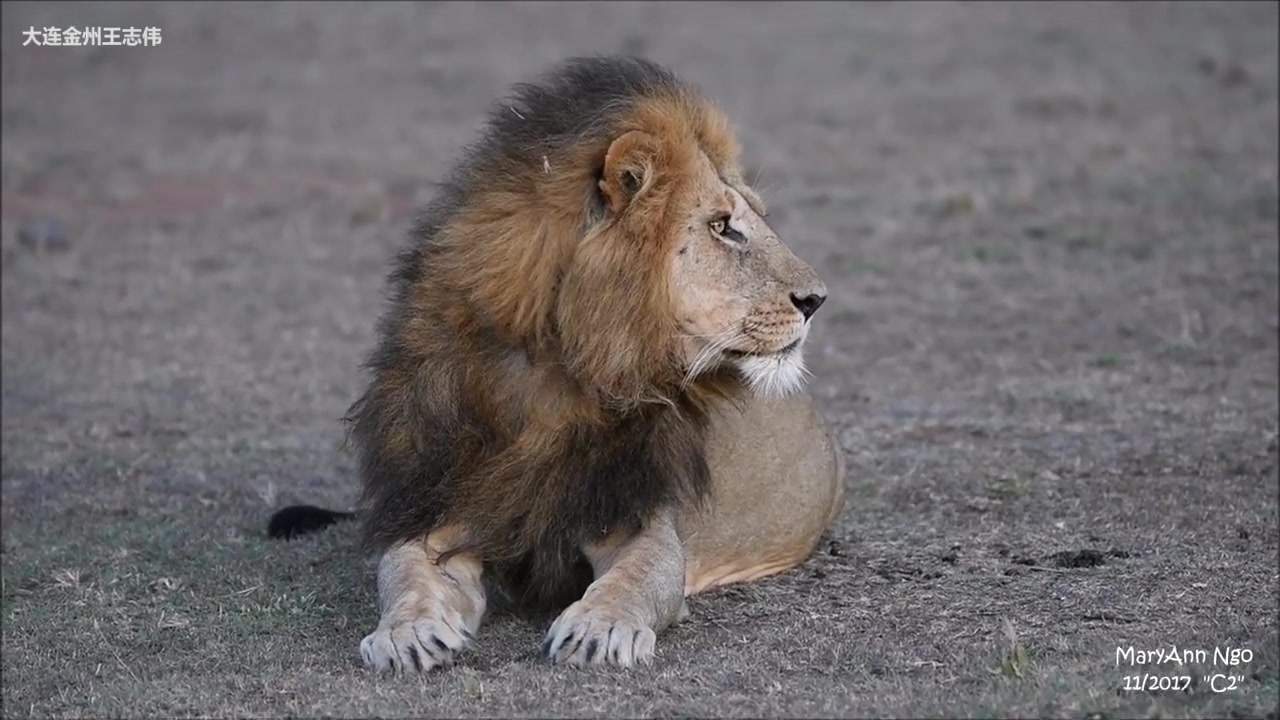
(302, 519)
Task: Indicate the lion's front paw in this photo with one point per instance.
(590, 635)
(415, 645)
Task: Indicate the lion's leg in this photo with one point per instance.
(429, 612)
(778, 480)
(638, 592)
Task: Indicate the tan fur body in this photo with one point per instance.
(777, 485)
(592, 358)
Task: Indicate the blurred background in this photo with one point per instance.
(1049, 231)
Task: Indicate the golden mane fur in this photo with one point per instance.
(526, 385)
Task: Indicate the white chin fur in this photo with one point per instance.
(773, 376)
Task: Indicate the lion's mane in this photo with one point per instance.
(524, 382)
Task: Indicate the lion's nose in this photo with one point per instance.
(808, 304)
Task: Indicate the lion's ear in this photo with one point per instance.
(628, 166)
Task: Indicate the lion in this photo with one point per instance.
(587, 389)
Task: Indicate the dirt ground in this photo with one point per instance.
(1050, 235)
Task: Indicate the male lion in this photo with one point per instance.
(592, 355)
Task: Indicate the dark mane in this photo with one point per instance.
(573, 103)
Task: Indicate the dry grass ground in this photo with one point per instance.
(1050, 233)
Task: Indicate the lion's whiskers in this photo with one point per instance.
(706, 356)
(709, 352)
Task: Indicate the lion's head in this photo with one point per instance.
(678, 274)
(741, 296)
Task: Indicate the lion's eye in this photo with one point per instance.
(720, 226)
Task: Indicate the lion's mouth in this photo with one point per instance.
(750, 353)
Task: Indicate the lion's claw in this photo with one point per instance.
(585, 635)
(416, 646)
